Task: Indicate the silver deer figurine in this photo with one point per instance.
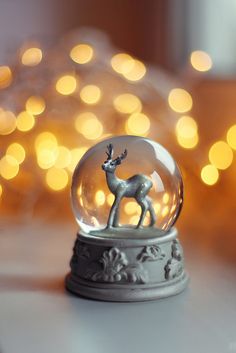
(137, 187)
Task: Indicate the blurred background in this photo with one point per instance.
(75, 72)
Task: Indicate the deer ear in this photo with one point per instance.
(125, 153)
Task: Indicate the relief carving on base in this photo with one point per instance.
(174, 266)
(80, 250)
(150, 253)
(116, 268)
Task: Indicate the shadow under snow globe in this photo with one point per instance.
(127, 193)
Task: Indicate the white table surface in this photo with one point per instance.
(38, 316)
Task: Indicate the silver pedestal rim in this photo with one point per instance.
(121, 293)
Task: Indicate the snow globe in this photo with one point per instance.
(127, 193)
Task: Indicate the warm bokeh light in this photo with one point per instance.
(88, 125)
(122, 63)
(81, 53)
(46, 140)
(187, 132)
(76, 154)
(63, 158)
(17, 151)
(138, 124)
(7, 122)
(221, 155)
(132, 69)
(100, 198)
(180, 100)
(46, 149)
(110, 199)
(157, 207)
(90, 94)
(127, 103)
(35, 105)
(188, 143)
(32, 57)
(209, 174)
(1, 190)
(9, 167)
(57, 179)
(81, 201)
(186, 127)
(166, 198)
(79, 190)
(200, 61)
(134, 220)
(5, 76)
(165, 211)
(131, 207)
(231, 137)
(46, 158)
(66, 85)
(136, 72)
(25, 121)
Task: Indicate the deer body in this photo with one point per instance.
(136, 186)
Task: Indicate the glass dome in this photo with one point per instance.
(143, 176)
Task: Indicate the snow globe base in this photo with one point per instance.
(127, 264)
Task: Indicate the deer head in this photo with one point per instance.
(110, 164)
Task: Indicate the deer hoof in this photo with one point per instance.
(139, 227)
(109, 227)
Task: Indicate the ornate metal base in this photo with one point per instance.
(127, 265)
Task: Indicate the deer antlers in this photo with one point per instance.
(119, 159)
(110, 151)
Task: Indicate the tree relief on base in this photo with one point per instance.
(174, 266)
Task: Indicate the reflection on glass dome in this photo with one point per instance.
(127, 182)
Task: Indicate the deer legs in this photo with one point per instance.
(142, 199)
(151, 211)
(113, 219)
(146, 205)
(116, 218)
